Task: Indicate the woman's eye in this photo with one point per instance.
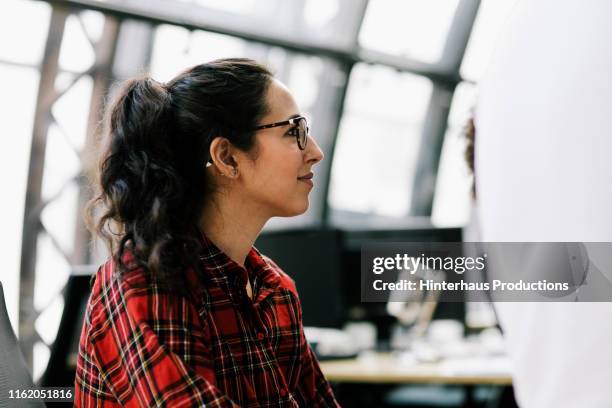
(292, 131)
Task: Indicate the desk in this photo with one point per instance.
(388, 368)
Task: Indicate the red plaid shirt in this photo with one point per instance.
(143, 346)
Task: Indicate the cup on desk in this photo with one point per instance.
(444, 331)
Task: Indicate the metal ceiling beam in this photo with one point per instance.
(102, 76)
(36, 165)
(336, 96)
(252, 29)
(434, 129)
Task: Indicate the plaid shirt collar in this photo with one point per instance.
(225, 273)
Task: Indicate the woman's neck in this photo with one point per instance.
(232, 225)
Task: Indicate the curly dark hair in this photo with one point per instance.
(151, 183)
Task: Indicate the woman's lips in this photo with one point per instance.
(307, 179)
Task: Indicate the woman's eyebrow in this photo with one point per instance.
(295, 115)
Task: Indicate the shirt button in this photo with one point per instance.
(260, 336)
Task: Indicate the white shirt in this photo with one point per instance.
(544, 173)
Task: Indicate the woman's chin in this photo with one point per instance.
(295, 210)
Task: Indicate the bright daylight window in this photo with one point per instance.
(378, 141)
(415, 29)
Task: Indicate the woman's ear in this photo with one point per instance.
(222, 154)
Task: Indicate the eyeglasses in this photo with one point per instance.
(299, 129)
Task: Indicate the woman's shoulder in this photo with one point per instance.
(112, 286)
(125, 278)
(131, 289)
(285, 281)
(130, 275)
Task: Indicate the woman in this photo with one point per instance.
(187, 312)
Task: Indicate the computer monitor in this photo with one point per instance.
(312, 258)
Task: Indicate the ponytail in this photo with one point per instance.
(140, 184)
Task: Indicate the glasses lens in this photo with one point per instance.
(302, 133)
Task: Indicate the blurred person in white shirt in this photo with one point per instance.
(544, 173)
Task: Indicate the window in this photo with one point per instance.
(378, 141)
(176, 48)
(16, 127)
(23, 43)
(410, 28)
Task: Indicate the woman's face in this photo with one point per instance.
(274, 178)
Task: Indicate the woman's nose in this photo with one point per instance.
(314, 153)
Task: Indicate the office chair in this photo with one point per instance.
(13, 370)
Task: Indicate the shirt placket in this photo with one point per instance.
(257, 327)
(260, 331)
